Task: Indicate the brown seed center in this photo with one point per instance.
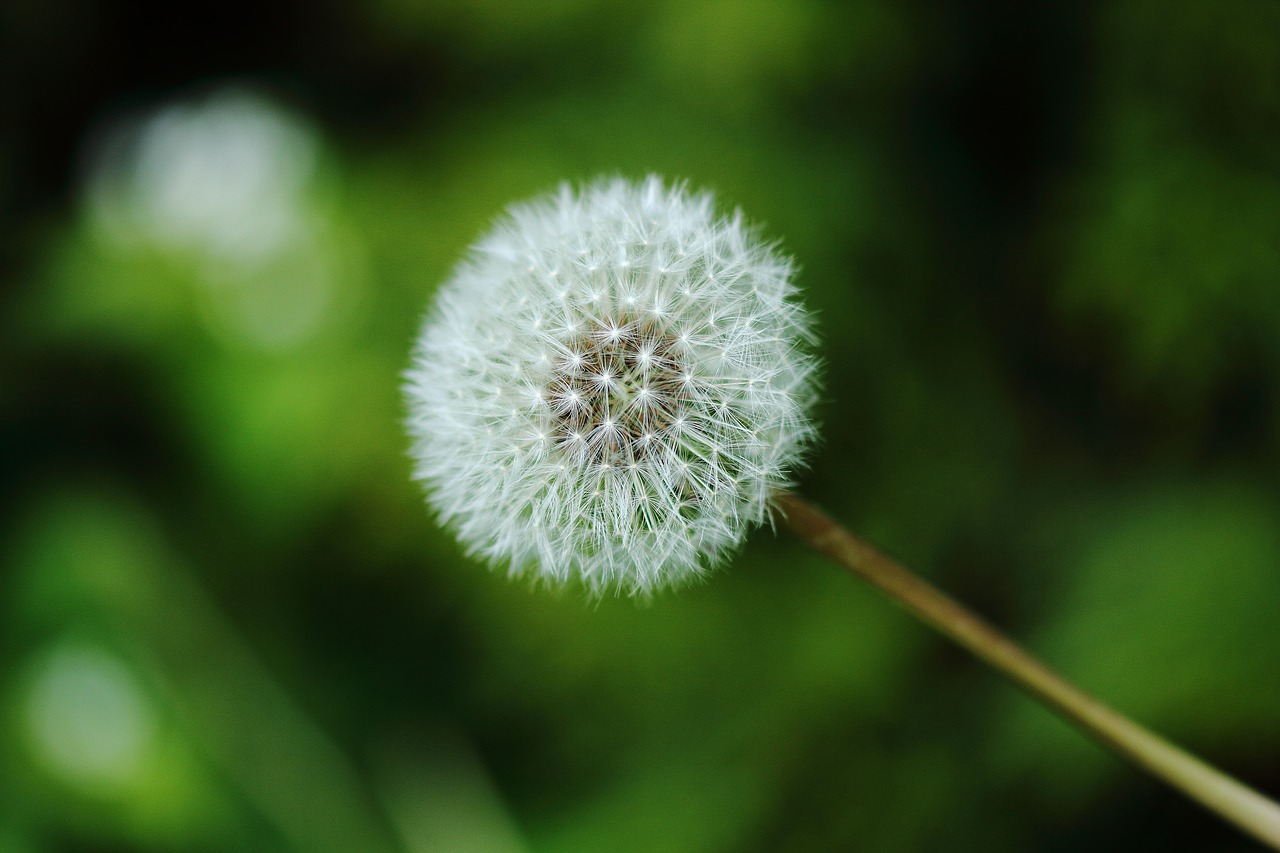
(617, 390)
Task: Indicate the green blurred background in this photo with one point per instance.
(1042, 243)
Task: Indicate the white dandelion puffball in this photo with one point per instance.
(611, 387)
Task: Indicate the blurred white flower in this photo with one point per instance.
(611, 387)
(227, 177)
(230, 189)
(87, 716)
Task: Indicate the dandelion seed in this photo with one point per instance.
(643, 478)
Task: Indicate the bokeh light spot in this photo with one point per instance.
(87, 717)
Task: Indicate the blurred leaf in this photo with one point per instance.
(1177, 250)
(1170, 616)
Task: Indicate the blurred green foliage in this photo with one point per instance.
(1042, 248)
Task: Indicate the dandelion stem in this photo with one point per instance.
(1250, 811)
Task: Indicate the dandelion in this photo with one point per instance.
(611, 387)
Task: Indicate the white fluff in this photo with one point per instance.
(610, 387)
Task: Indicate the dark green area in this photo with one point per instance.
(1043, 245)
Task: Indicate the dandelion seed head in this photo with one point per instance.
(673, 404)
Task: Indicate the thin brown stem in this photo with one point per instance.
(1235, 802)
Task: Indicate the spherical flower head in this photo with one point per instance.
(610, 388)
